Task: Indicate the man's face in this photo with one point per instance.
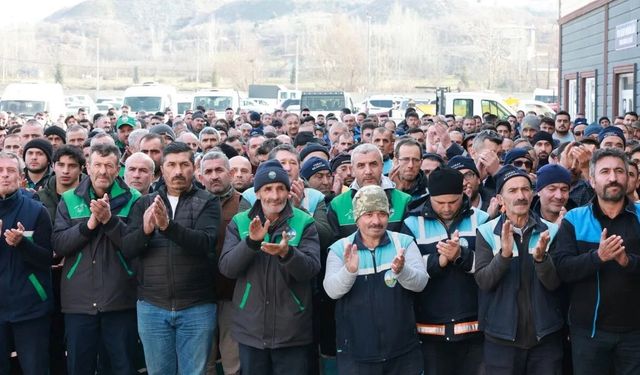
(215, 176)
(138, 174)
(241, 172)
(366, 135)
(245, 115)
(553, 197)
(273, 198)
(292, 124)
(470, 183)
(29, 132)
(237, 145)
(516, 196)
(469, 125)
(322, 181)
(266, 119)
(123, 133)
(629, 119)
(153, 149)
(384, 141)
(513, 121)
(373, 224)
(632, 183)
(546, 127)
(252, 147)
(412, 122)
(524, 164)
(177, 171)
(103, 123)
(36, 160)
(409, 160)
(335, 133)
(503, 131)
(208, 142)
(198, 123)
(346, 174)
(154, 121)
(543, 149)
(420, 137)
(446, 206)
(67, 171)
(289, 163)
(528, 133)
(103, 170)
(211, 116)
(55, 141)
(367, 169)
(228, 115)
(562, 124)
(612, 142)
(76, 139)
(610, 179)
(578, 132)
(429, 166)
(82, 115)
(350, 121)
(10, 176)
(345, 141)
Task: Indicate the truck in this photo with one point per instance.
(325, 102)
(271, 94)
(151, 97)
(217, 99)
(27, 99)
(464, 104)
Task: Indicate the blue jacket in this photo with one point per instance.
(603, 295)
(499, 279)
(452, 294)
(25, 270)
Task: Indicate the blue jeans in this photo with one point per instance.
(176, 341)
(605, 352)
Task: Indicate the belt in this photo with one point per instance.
(440, 329)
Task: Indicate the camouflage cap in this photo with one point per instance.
(369, 199)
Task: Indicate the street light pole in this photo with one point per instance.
(368, 53)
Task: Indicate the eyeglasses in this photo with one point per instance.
(578, 133)
(519, 163)
(407, 160)
(468, 175)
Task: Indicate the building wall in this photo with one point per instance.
(583, 50)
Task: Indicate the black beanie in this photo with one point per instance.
(269, 172)
(542, 136)
(444, 181)
(41, 144)
(56, 130)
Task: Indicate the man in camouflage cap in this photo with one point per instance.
(372, 274)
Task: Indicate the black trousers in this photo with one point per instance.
(31, 339)
(406, 364)
(543, 359)
(282, 361)
(453, 358)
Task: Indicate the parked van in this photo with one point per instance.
(184, 103)
(325, 102)
(30, 98)
(151, 97)
(468, 104)
(217, 99)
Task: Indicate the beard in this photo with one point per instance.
(611, 196)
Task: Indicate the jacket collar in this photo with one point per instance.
(534, 223)
(385, 183)
(357, 240)
(285, 214)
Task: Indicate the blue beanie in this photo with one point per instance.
(592, 129)
(611, 131)
(314, 165)
(516, 153)
(269, 172)
(551, 174)
(463, 162)
(506, 173)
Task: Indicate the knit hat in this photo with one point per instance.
(56, 130)
(313, 147)
(592, 129)
(463, 162)
(530, 121)
(340, 159)
(269, 172)
(313, 166)
(254, 116)
(369, 198)
(125, 120)
(611, 131)
(506, 173)
(196, 115)
(444, 181)
(39, 143)
(551, 174)
(162, 129)
(542, 136)
(580, 121)
(516, 153)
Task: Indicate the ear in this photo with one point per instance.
(500, 199)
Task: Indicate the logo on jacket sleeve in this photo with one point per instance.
(390, 278)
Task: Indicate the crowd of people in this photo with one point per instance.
(282, 243)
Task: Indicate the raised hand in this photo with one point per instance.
(14, 236)
(297, 193)
(351, 258)
(610, 247)
(257, 231)
(101, 209)
(161, 216)
(397, 265)
(541, 247)
(280, 249)
(149, 219)
(450, 248)
(507, 239)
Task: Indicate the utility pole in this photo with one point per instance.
(197, 61)
(97, 66)
(368, 53)
(297, 68)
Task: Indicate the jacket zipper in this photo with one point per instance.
(171, 281)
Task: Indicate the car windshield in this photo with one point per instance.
(143, 103)
(217, 103)
(323, 102)
(382, 103)
(27, 107)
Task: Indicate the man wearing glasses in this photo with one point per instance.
(406, 172)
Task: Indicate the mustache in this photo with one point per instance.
(521, 202)
(614, 184)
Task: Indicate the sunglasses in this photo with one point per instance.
(519, 163)
(578, 133)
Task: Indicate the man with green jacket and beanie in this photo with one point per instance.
(273, 252)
